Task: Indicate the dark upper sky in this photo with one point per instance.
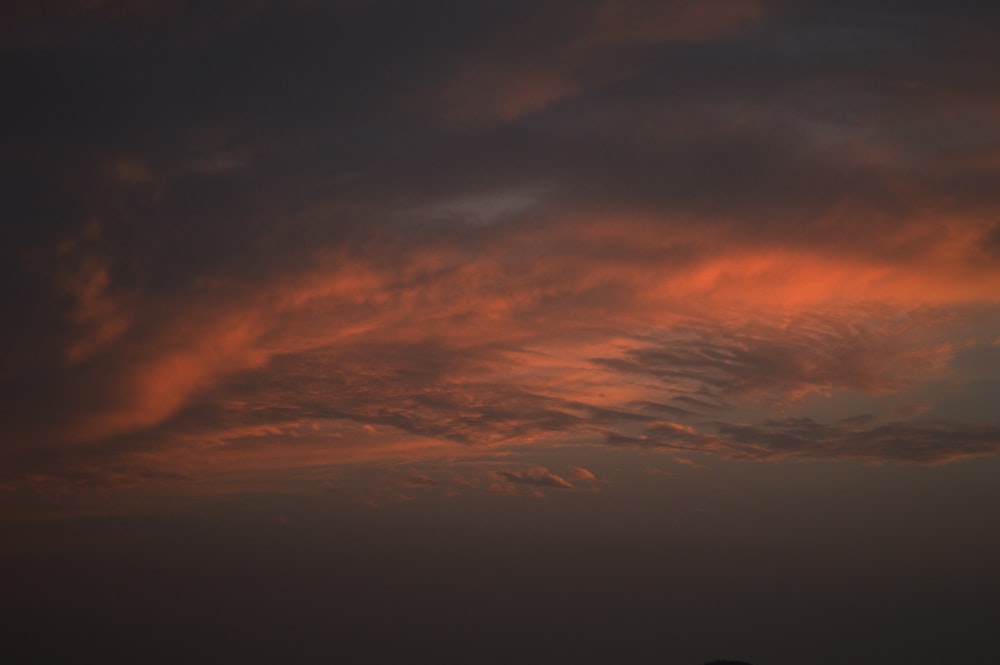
(408, 253)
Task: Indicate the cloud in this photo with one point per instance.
(536, 479)
(99, 316)
(557, 51)
(916, 442)
(580, 473)
(423, 348)
(791, 358)
(329, 233)
(540, 477)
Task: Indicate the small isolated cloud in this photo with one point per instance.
(539, 477)
(666, 435)
(656, 471)
(530, 482)
(420, 480)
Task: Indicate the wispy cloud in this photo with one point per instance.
(540, 477)
(916, 442)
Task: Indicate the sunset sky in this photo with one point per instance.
(552, 331)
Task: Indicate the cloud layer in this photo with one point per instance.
(293, 234)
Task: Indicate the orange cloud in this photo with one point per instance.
(571, 333)
(499, 300)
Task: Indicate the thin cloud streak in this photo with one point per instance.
(919, 442)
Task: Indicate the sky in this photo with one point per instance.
(556, 331)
